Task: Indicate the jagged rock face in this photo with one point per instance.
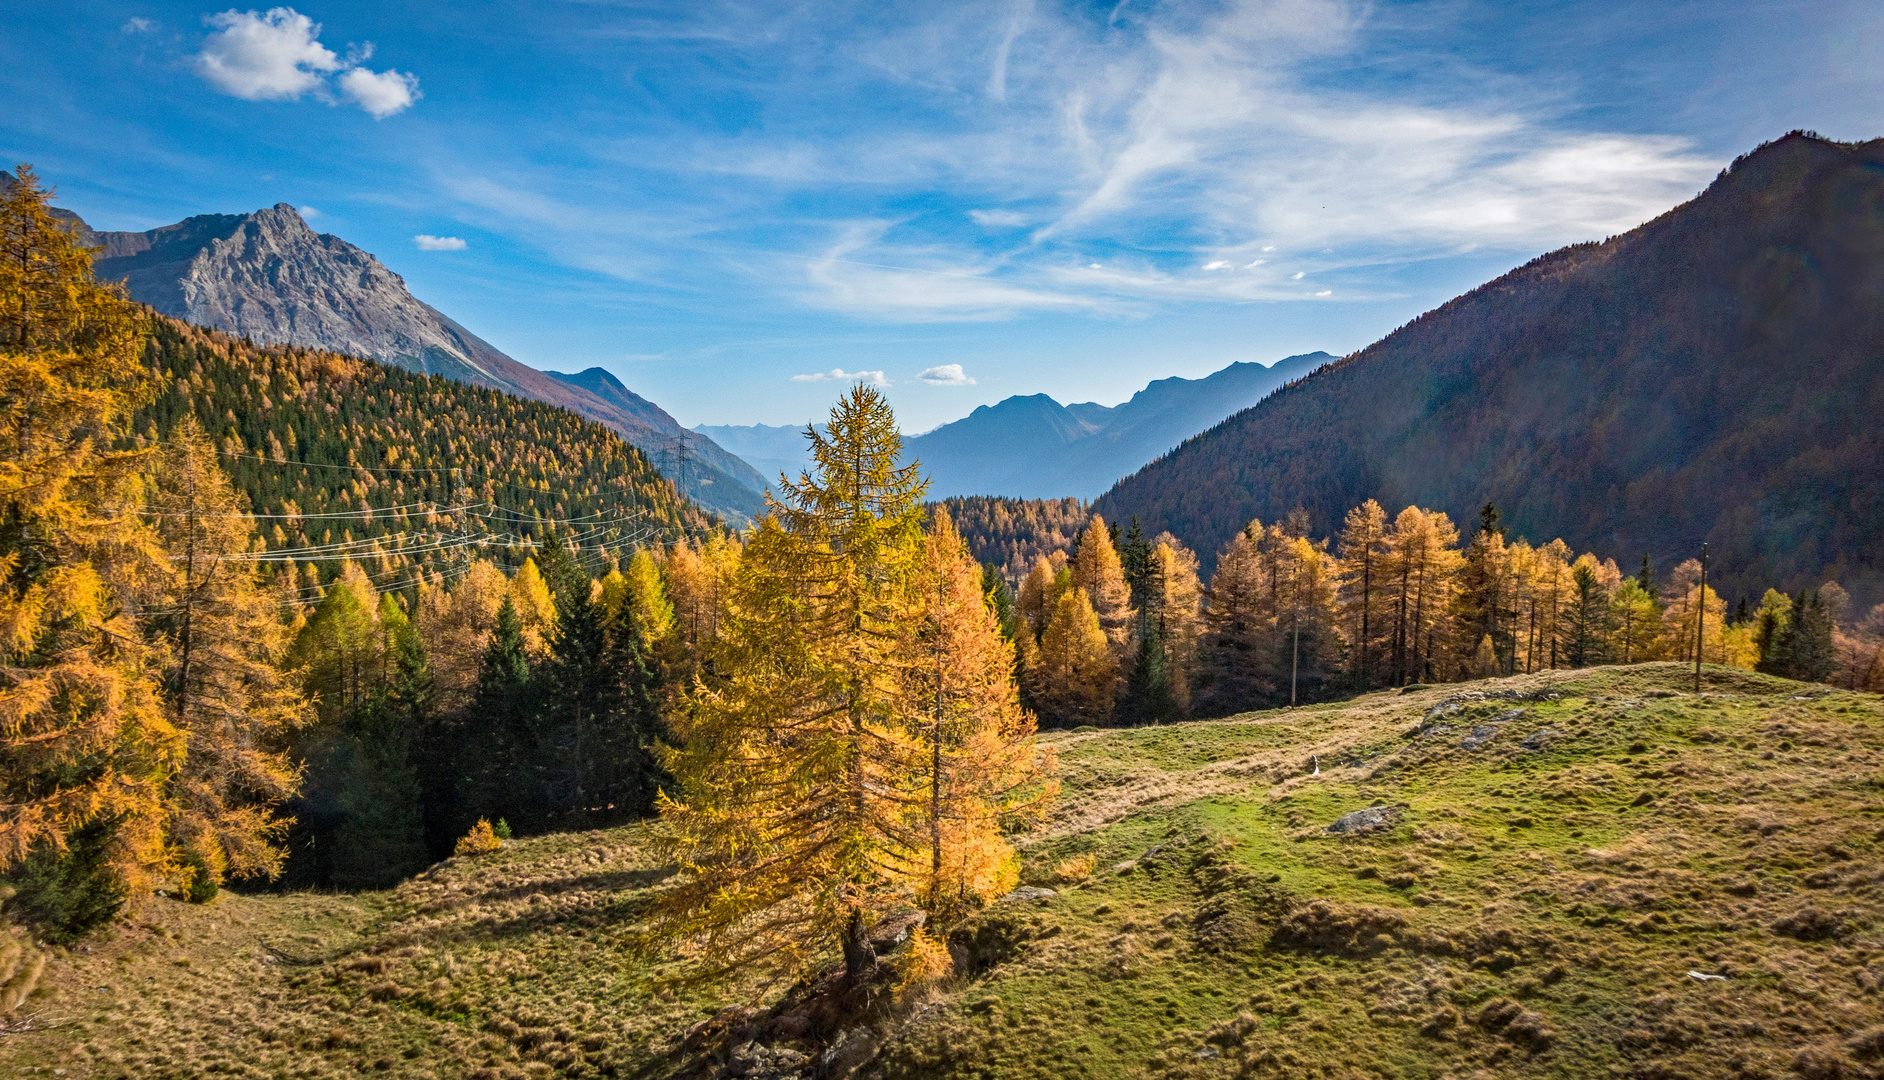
(269, 277)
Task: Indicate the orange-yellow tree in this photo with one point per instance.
(224, 686)
(797, 813)
(979, 769)
(85, 745)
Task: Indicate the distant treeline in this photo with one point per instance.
(1124, 631)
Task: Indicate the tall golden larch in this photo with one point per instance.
(980, 771)
(1096, 569)
(789, 813)
(84, 738)
(224, 683)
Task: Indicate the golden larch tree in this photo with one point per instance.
(981, 770)
(789, 815)
(85, 741)
(224, 683)
(1096, 569)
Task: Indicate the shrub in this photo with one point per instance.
(481, 840)
(502, 829)
(922, 963)
(20, 965)
(1074, 869)
(64, 895)
(201, 879)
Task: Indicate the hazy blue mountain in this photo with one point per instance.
(770, 449)
(1033, 447)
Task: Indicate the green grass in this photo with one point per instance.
(1530, 912)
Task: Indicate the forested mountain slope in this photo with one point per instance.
(345, 458)
(1714, 375)
(267, 276)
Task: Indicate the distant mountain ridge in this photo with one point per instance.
(1714, 375)
(269, 277)
(1035, 448)
(1029, 446)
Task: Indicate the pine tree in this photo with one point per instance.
(1586, 618)
(574, 692)
(85, 743)
(980, 767)
(1097, 569)
(1486, 607)
(224, 686)
(1363, 546)
(1808, 636)
(629, 724)
(792, 767)
(1237, 659)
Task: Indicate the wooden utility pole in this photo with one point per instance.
(1700, 618)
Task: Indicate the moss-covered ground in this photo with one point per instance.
(1540, 905)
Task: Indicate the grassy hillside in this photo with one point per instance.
(1533, 908)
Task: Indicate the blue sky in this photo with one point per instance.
(724, 202)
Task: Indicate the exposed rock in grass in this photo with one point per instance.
(1366, 820)
(1478, 736)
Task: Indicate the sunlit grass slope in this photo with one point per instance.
(1534, 907)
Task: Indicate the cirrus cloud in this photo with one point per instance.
(277, 56)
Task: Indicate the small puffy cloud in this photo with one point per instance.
(380, 93)
(308, 213)
(1299, 275)
(868, 378)
(271, 57)
(999, 219)
(1325, 292)
(139, 25)
(945, 375)
(1217, 264)
(277, 56)
(438, 243)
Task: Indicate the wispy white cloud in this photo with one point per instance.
(308, 213)
(999, 219)
(438, 243)
(945, 375)
(138, 25)
(867, 378)
(277, 56)
(1173, 152)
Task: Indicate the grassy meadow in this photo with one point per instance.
(1538, 905)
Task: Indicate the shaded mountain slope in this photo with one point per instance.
(1715, 375)
(269, 277)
